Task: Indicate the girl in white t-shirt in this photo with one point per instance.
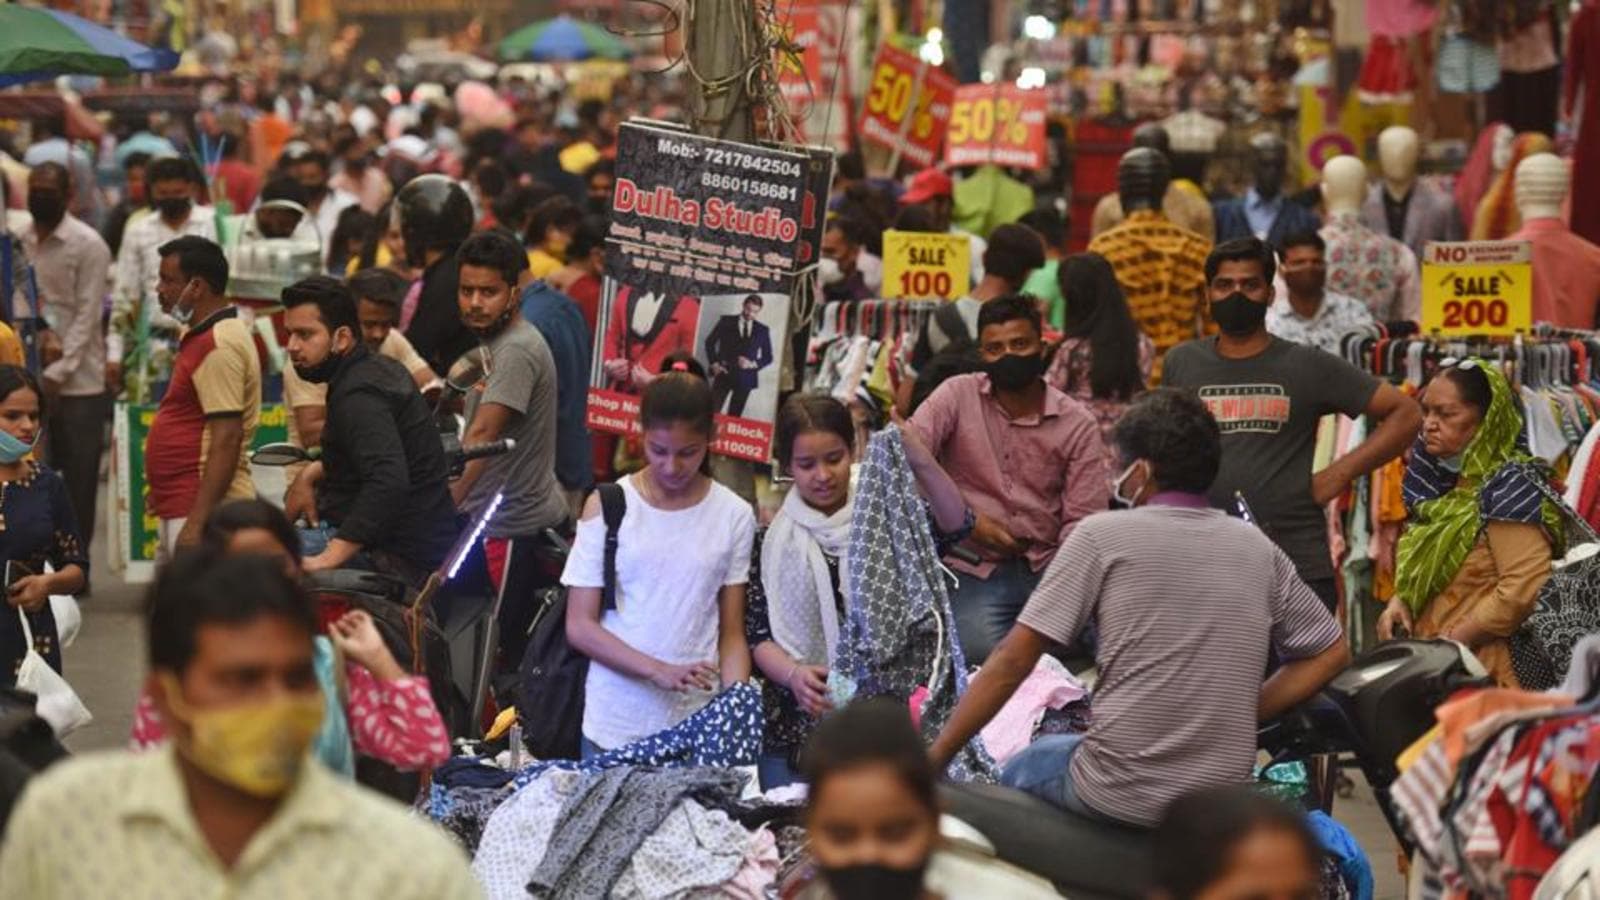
(683, 557)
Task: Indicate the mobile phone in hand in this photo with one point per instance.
(15, 572)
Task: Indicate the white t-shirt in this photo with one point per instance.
(671, 564)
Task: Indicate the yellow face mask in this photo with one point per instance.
(258, 748)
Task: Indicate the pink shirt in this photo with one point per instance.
(1566, 274)
(1036, 476)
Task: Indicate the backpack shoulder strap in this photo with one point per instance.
(613, 505)
(951, 323)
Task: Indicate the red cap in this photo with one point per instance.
(926, 185)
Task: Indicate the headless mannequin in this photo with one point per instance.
(1401, 206)
(1364, 262)
(1184, 203)
(1566, 268)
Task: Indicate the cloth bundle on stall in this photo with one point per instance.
(902, 635)
(1502, 788)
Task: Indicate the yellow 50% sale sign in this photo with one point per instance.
(1001, 125)
(1477, 288)
(919, 266)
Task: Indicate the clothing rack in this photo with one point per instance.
(877, 319)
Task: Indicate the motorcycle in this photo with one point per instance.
(1371, 712)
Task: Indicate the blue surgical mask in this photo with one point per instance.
(13, 448)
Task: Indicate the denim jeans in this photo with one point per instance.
(986, 608)
(315, 538)
(775, 771)
(1044, 770)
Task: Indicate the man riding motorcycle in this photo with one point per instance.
(1186, 605)
(377, 497)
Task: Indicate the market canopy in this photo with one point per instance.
(562, 39)
(39, 44)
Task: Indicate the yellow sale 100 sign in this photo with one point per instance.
(920, 266)
(1477, 288)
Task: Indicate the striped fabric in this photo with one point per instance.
(1187, 602)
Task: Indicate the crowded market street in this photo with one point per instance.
(800, 449)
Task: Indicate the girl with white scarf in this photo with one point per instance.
(796, 596)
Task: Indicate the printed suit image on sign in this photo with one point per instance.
(737, 342)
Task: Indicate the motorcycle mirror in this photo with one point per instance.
(279, 455)
(466, 371)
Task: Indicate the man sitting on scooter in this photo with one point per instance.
(376, 499)
(1187, 604)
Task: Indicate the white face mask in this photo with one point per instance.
(828, 270)
(1117, 497)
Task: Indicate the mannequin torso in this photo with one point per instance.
(1566, 268)
(1364, 262)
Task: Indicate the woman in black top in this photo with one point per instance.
(36, 527)
(796, 596)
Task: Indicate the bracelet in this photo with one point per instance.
(789, 678)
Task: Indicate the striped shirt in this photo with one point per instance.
(1187, 602)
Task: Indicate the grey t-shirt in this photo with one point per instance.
(522, 377)
(1268, 407)
(1187, 603)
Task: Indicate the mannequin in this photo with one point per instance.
(1363, 263)
(1264, 211)
(1566, 268)
(1403, 207)
(1160, 264)
(1184, 202)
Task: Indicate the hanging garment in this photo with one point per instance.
(899, 633)
(604, 822)
(1580, 99)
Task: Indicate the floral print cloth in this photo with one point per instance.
(1373, 268)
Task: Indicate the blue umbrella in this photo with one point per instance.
(562, 39)
(39, 44)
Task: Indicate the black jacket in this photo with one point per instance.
(436, 330)
(383, 484)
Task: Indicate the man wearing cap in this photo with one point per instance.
(933, 190)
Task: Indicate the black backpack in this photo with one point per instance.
(27, 747)
(552, 674)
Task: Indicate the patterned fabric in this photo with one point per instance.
(1373, 268)
(603, 824)
(1161, 267)
(900, 634)
(695, 849)
(1069, 372)
(725, 732)
(1449, 511)
(1338, 316)
(40, 528)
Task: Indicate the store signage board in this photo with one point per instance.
(1000, 125)
(918, 266)
(907, 108)
(1477, 288)
(706, 239)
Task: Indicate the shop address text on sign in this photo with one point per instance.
(1472, 288)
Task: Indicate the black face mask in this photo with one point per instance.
(1013, 372)
(322, 372)
(174, 207)
(1238, 316)
(47, 210)
(874, 882)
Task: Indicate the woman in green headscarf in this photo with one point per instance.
(1479, 534)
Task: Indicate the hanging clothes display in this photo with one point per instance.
(861, 350)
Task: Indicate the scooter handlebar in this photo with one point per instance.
(488, 448)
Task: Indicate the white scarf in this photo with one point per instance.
(794, 573)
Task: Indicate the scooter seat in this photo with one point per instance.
(1083, 858)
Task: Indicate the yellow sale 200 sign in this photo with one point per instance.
(918, 266)
(1477, 288)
